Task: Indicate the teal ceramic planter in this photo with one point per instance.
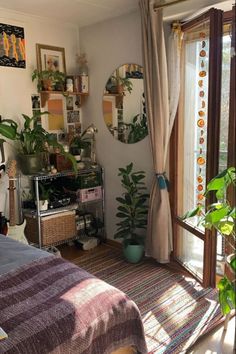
(133, 253)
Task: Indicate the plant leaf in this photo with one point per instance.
(191, 213)
(233, 263)
(225, 227)
(129, 168)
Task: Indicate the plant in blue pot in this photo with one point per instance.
(132, 210)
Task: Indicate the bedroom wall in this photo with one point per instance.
(15, 84)
(108, 45)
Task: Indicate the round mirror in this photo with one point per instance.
(124, 105)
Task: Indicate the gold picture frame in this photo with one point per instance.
(50, 58)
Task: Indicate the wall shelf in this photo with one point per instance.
(45, 95)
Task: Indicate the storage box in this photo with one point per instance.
(89, 194)
(55, 228)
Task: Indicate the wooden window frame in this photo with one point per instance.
(213, 133)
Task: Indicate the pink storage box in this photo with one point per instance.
(89, 194)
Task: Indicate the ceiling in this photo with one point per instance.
(87, 12)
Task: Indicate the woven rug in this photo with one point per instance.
(175, 309)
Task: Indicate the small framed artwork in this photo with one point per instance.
(12, 46)
(50, 58)
(69, 103)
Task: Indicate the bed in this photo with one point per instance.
(49, 305)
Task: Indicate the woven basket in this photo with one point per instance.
(55, 229)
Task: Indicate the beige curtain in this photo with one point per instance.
(160, 121)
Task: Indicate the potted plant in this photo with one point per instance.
(78, 144)
(220, 215)
(44, 195)
(124, 84)
(49, 80)
(34, 142)
(118, 84)
(133, 211)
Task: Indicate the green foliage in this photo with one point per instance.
(221, 216)
(226, 295)
(44, 191)
(57, 78)
(137, 128)
(32, 138)
(124, 82)
(133, 208)
(78, 143)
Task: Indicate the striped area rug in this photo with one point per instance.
(175, 309)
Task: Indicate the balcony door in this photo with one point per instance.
(200, 136)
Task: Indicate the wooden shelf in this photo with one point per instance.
(46, 94)
(66, 93)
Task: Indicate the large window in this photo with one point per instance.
(201, 137)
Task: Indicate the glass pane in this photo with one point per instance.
(190, 252)
(225, 84)
(196, 57)
(224, 120)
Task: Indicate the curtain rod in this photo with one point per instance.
(160, 6)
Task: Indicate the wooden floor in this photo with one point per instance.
(217, 342)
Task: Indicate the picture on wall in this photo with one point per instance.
(36, 107)
(55, 117)
(50, 58)
(12, 46)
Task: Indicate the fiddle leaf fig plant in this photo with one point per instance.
(133, 208)
(221, 216)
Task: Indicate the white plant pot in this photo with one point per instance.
(43, 205)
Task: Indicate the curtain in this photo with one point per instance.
(161, 111)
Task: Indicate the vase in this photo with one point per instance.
(31, 164)
(133, 253)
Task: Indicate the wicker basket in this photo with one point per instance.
(55, 229)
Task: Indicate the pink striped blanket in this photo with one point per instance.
(52, 306)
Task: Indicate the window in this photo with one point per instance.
(200, 140)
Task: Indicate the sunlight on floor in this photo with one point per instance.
(219, 342)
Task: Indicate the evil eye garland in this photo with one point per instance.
(201, 121)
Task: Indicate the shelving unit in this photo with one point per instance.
(96, 205)
(46, 94)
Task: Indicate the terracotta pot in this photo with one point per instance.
(47, 85)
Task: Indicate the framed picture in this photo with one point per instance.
(50, 58)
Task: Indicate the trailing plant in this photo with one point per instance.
(221, 216)
(133, 208)
(33, 138)
(57, 79)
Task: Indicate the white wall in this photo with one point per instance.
(108, 45)
(16, 86)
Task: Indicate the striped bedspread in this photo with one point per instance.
(52, 306)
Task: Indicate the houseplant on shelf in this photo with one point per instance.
(34, 142)
(49, 80)
(133, 211)
(221, 217)
(44, 195)
(118, 84)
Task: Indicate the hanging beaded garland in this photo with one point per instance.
(201, 122)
